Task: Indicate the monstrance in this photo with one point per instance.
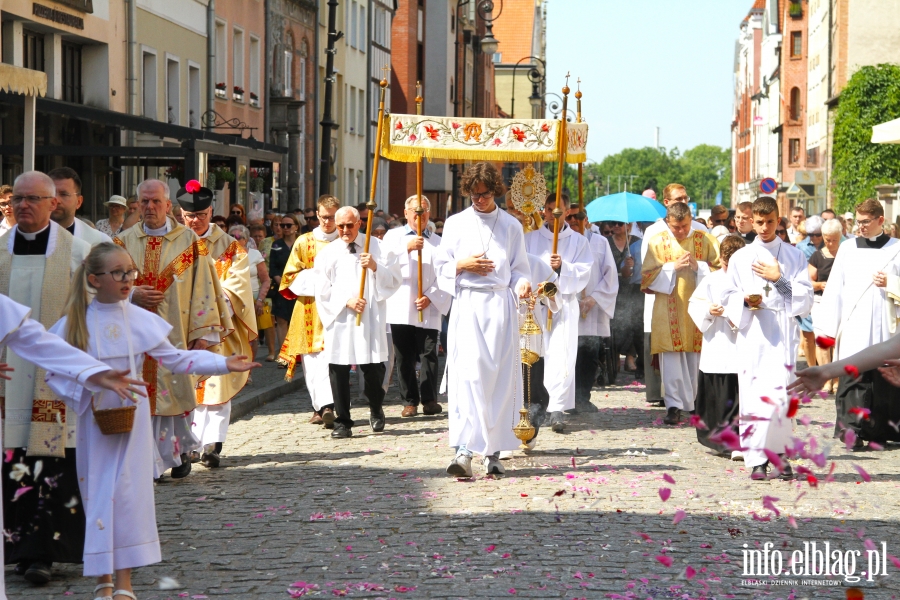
(528, 193)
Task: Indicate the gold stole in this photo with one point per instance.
(47, 434)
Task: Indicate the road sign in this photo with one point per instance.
(768, 185)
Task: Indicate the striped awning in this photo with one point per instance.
(26, 82)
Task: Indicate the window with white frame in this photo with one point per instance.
(193, 95)
(148, 81)
(302, 76)
(353, 6)
(287, 63)
(361, 114)
(351, 111)
(254, 75)
(237, 67)
(173, 91)
(221, 60)
(362, 28)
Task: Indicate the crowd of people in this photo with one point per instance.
(167, 295)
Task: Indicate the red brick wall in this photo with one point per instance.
(793, 75)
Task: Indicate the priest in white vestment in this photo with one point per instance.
(767, 286)
(338, 269)
(674, 192)
(860, 307)
(482, 262)
(416, 341)
(69, 200)
(31, 342)
(597, 306)
(573, 261)
(37, 260)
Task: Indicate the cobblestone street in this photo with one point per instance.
(295, 513)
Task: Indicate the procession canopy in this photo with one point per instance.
(408, 138)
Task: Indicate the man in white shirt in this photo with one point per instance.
(674, 192)
(338, 269)
(415, 340)
(797, 217)
(7, 220)
(69, 200)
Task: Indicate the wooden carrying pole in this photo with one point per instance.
(419, 176)
(371, 205)
(580, 165)
(563, 146)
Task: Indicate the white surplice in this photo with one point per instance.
(603, 287)
(561, 339)
(92, 236)
(484, 369)
(540, 272)
(338, 275)
(852, 309)
(115, 472)
(767, 342)
(28, 339)
(401, 308)
(719, 353)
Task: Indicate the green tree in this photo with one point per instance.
(707, 170)
(872, 96)
(638, 169)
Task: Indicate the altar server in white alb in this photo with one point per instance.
(31, 342)
(597, 305)
(573, 262)
(717, 389)
(338, 269)
(115, 471)
(766, 287)
(860, 307)
(416, 341)
(482, 261)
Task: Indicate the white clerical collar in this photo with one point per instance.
(157, 232)
(31, 236)
(875, 239)
(325, 237)
(769, 245)
(208, 231)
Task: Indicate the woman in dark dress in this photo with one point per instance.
(627, 323)
(820, 264)
(282, 308)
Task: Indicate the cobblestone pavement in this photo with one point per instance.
(294, 513)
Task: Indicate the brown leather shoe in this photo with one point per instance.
(316, 419)
(432, 408)
(409, 411)
(328, 417)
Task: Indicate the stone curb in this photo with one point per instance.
(246, 404)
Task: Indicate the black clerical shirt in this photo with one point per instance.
(879, 242)
(35, 247)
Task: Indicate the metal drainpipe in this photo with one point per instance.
(131, 70)
(210, 60)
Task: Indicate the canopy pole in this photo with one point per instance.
(30, 118)
(420, 167)
(563, 147)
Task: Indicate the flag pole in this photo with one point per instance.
(420, 167)
(563, 147)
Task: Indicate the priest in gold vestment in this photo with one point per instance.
(305, 338)
(677, 259)
(213, 412)
(177, 281)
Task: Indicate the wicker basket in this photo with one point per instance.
(114, 420)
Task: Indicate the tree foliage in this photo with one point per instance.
(872, 96)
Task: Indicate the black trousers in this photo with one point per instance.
(413, 344)
(870, 391)
(540, 397)
(718, 404)
(587, 364)
(339, 375)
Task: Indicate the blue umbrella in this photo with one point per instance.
(624, 207)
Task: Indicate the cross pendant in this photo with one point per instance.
(767, 289)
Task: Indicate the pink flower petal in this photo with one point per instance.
(862, 473)
(664, 560)
(21, 491)
(664, 493)
(669, 478)
(679, 515)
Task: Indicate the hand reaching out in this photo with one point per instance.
(239, 364)
(118, 383)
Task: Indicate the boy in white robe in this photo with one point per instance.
(573, 261)
(717, 392)
(338, 269)
(858, 309)
(481, 261)
(767, 286)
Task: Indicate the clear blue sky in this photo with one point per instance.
(647, 63)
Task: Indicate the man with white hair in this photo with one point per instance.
(178, 281)
(37, 261)
(813, 240)
(416, 340)
(338, 268)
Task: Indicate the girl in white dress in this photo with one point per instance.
(115, 472)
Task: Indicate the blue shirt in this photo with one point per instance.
(426, 233)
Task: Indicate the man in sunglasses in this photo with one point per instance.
(718, 216)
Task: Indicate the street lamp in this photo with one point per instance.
(535, 75)
(555, 107)
(535, 98)
(489, 43)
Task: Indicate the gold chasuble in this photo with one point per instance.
(194, 305)
(305, 334)
(233, 270)
(673, 330)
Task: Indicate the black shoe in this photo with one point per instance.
(557, 422)
(184, 470)
(218, 447)
(760, 472)
(21, 568)
(673, 416)
(787, 473)
(376, 419)
(341, 431)
(639, 375)
(586, 407)
(210, 460)
(38, 572)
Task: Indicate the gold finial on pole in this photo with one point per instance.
(563, 147)
(371, 204)
(419, 181)
(580, 165)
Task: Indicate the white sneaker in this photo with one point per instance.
(460, 466)
(737, 455)
(506, 454)
(492, 466)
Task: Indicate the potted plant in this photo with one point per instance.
(222, 176)
(175, 171)
(220, 90)
(254, 99)
(795, 10)
(238, 93)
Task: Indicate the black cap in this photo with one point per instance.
(197, 199)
